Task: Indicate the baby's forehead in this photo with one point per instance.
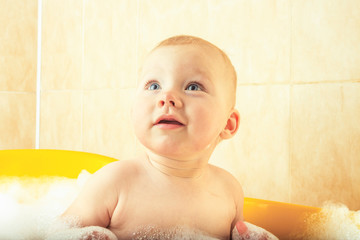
(190, 56)
(190, 50)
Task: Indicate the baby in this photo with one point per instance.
(184, 108)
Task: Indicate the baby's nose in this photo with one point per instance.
(171, 100)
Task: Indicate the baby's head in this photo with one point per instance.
(228, 71)
(186, 97)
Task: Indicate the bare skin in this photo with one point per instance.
(180, 115)
(142, 196)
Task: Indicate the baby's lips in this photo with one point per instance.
(169, 119)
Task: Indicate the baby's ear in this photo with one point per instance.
(232, 125)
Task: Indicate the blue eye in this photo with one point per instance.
(194, 87)
(153, 86)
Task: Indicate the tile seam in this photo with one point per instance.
(290, 104)
(38, 77)
(82, 75)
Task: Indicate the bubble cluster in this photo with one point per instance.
(174, 233)
(29, 206)
(334, 222)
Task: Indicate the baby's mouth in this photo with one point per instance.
(174, 122)
(168, 122)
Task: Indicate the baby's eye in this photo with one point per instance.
(153, 86)
(194, 87)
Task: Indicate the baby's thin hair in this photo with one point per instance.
(192, 40)
(184, 39)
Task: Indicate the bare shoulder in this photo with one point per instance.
(224, 176)
(228, 182)
(98, 198)
(118, 170)
(232, 189)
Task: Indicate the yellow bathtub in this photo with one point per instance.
(282, 219)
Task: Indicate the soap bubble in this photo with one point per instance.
(30, 206)
(334, 222)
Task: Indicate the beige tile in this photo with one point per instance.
(325, 148)
(258, 154)
(17, 120)
(256, 36)
(18, 45)
(110, 44)
(352, 141)
(61, 45)
(60, 121)
(107, 124)
(159, 20)
(326, 36)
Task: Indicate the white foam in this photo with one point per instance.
(175, 233)
(30, 206)
(334, 221)
(254, 233)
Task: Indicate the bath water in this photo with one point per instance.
(334, 221)
(175, 233)
(29, 207)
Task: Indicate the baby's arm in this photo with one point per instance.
(96, 201)
(239, 202)
(93, 207)
(244, 230)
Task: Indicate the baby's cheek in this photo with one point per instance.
(140, 117)
(211, 122)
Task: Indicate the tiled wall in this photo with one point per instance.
(18, 46)
(298, 64)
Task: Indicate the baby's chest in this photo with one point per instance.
(208, 213)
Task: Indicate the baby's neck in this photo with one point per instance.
(178, 168)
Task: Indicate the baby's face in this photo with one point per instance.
(181, 105)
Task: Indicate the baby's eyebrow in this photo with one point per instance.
(205, 76)
(149, 74)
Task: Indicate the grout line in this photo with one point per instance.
(137, 57)
(327, 82)
(38, 76)
(290, 145)
(17, 92)
(238, 85)
(82, 75)
(81, 90)
(208, 20)
(291, 71)
(299, 83)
